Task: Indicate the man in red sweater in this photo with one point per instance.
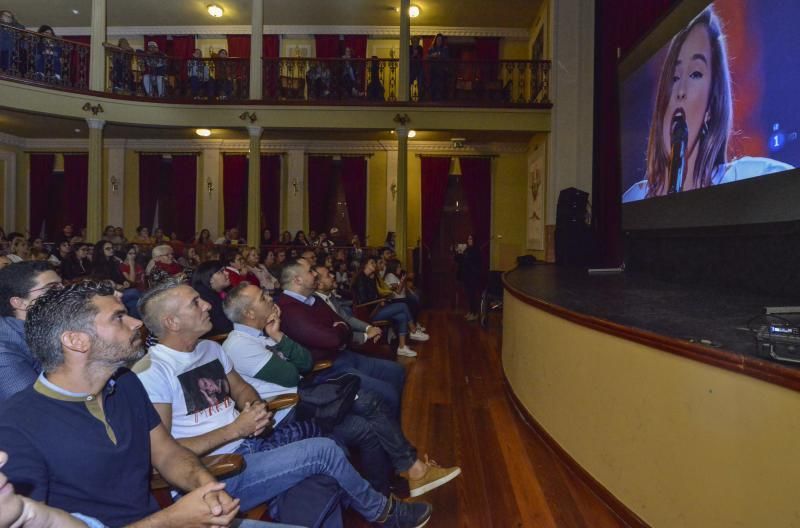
(310, 322)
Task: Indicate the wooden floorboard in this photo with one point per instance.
(455, 409)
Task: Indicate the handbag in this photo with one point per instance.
(327, 402)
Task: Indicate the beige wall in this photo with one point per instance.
(681, 443)
(376, 198)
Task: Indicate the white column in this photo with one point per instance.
(115, 197)
(97, 59)
(405, 38)
(209, 209)
(9, 191)
(254, 186)
(572, 92)
(94, 220)
(391, 190)
(256, 40)
(295, 190)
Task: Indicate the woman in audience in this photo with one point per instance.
(59, 254)
(356, 251)
(203, 238)
(234, 265)
(132, 270)
(261, 271)
(20, 249)
(249, 257)
(365, 290)
(300, 239)
(266, 238)
(106, 266)
(48, 56)
(286, 239)
(210, 279)
(190, 259)
(77, 263)
(162, 265)
(108, 233)
(159, 237)
(142, 236)
(223, 71)
(119, 239)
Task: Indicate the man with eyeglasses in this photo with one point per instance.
(21, 284)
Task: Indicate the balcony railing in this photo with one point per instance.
(157, 76)
(63, 64)
(435, 82)
(43, 59)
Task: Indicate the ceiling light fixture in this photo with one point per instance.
(414, 11)
(77, 130)
(412, 134)
(75, 12)
(204, 132)
(215, 11)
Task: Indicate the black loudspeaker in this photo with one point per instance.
(573, 236)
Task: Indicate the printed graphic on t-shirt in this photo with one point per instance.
(206, 389)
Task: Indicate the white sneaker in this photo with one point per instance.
(416, 335)
(405, 351)
(422, 328)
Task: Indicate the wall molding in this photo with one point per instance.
(442, 148)
(297, 30)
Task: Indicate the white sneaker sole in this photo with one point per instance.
(416, 492)
(406, 353)
(419, 337)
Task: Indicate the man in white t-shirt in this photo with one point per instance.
(196, 392)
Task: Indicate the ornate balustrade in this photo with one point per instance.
(42, 59)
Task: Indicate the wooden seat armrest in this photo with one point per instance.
(322, 365)
(282, 402)
(381, 324)
(220, 466)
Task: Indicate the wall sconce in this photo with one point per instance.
(97, 109)
(402, 120)
(295, 187)
(248, 115)
(209, 185)
(114, 184)
(393, 189)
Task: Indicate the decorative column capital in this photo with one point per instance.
(95, 123)
(255, 131)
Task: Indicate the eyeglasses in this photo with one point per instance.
(109, 248)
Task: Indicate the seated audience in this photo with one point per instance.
(60, 254)
(195, 390)
(266, 238)
(270, 279)
(255, 269)
(210, 279)
(300, 239)
(162, 265)
(365, 290)
(262, 353)
(106, 266)
(77, 264)
(234, 265)
(20, 285)
(19, 250)
(142, 236)
(85, 402)
(326, 335)
(230, 238)
(131, 269)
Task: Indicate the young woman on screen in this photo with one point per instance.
(695, 82)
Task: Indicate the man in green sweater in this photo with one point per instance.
(259, 350)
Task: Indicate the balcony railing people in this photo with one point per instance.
(40, 56)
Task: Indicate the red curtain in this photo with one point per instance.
(181, 46)
(149, 184)
(183, 195)
(619, 25)
(234, 191)
(327, 46)
(271, 192)
(41, 171)
(354, 182)
(79, 71)
(427, 42)
(476, 180)
(434, 188)
(76, 188)
(488, 49)
(271, 47)
(320, 180)
(358, 49)
(239, 46)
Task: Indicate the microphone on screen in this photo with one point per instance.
(679, 138)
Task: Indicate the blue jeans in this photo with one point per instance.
(270, 473)
(398, 314)
(386, 429)
(385, 378)
(355, 432)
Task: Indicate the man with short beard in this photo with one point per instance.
(84, 436)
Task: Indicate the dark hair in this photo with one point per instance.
(44, 28)
(139, 228)
(392, 266)
(229, 257)
(59, 311)
(202, 275)
(16, 280)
